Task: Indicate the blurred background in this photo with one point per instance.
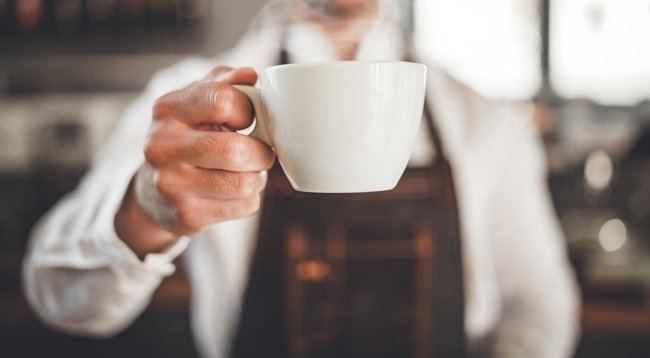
(69, 67)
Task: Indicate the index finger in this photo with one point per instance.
(211, 103)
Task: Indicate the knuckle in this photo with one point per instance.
(188, 214)
(246, 184)
(223, 99)
(234, 150)
(164, 105)
(165, 185)
(153, 150)
(227, 183)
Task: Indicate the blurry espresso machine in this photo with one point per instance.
(68, 68)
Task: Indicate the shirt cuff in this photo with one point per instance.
(159, 262)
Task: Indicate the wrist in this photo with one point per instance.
(138, 230)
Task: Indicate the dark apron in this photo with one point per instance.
(357, 275)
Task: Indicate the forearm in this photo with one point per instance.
(138, 230)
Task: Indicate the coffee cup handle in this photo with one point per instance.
(261, 130)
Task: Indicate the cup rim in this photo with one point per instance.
(340, 63)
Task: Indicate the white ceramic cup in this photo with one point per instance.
(340, 127)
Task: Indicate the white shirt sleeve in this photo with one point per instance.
(78, 275)
(540, 305)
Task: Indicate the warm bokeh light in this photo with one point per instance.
(312, 270)
(29, 14)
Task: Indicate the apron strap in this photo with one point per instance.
(264, 328)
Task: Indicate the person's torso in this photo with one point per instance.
(219, 258)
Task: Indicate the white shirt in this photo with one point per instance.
(520, 291)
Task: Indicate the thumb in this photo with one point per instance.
(242, 75)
